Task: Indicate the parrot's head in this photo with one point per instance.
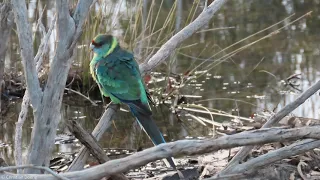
(103, 44)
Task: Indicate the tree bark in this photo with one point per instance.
(6, 23)
(47, 104)
(26, 48)
(26, 99)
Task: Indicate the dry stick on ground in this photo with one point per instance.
(187, 147)
(274, 119)
(6, 23)
(47, 104)
(91, 143)
(259, 162)
(158, 58)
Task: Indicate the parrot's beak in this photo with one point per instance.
(91, 46)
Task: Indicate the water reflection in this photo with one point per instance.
(247, 83)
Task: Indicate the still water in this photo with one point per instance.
(244, 84)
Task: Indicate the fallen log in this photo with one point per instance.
(194, 147)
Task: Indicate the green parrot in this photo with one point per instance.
(118, 77)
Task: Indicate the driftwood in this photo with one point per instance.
(92, 145)
(194, 147)
(274, 119)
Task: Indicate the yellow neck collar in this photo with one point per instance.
(113, 46)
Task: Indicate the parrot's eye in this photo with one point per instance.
(96, 44)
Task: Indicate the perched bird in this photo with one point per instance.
(118, 77)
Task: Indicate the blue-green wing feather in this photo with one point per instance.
(118, 74)
(119, 78)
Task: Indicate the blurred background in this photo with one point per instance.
(225, 73)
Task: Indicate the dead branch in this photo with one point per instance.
(92, 145)
(87, 98)
(182, 35)
(274, 119)
(254, 164)
(104, 123)
(88, 140)
(191, 147)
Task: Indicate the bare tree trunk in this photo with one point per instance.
(6, 23)
(26, 99)
(47, 104)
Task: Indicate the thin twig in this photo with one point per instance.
(219, 114)
(87, 98)
(44, 44)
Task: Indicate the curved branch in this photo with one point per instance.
(189, 147)
(182, 35)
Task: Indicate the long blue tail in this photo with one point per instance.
(146, 121)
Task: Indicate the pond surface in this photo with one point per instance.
(247, 83)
